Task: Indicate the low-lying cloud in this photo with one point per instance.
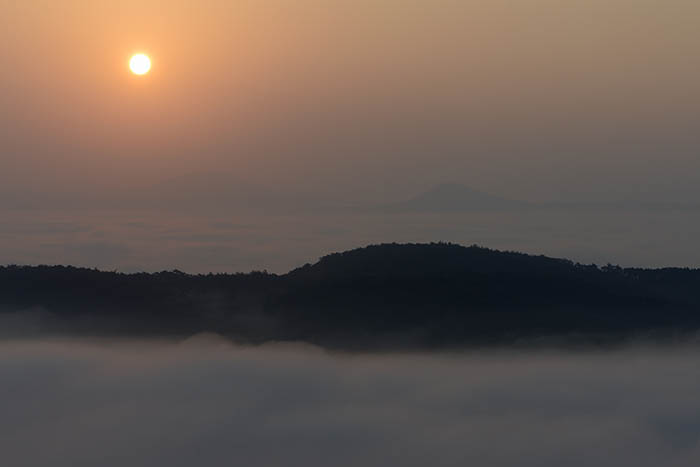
(206, 402)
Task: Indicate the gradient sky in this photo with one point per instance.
(534, 99)
(350, 102)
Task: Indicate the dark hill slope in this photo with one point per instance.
(379, 296)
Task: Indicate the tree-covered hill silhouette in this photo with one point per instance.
(383, 296)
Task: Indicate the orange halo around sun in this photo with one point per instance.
(140, 64)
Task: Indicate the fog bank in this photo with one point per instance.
(206, 402)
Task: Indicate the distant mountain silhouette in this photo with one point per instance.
(455, 197)
(384, 296)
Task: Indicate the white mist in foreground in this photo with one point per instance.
(204, 402)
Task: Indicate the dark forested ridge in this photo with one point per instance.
(384, 296)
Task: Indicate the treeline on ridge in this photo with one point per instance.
(382, 296)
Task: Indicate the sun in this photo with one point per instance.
(140, 64)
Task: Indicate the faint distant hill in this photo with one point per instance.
(455, 197)
(225, 190)
(378, 297)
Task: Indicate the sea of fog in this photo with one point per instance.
(204, 401)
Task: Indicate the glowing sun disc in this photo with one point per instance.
(140, 64)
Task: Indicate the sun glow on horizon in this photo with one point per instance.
(140, 64)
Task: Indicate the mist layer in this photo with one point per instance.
(205, 402)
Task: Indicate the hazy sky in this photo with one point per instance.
(343, 102)
(534, 99)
